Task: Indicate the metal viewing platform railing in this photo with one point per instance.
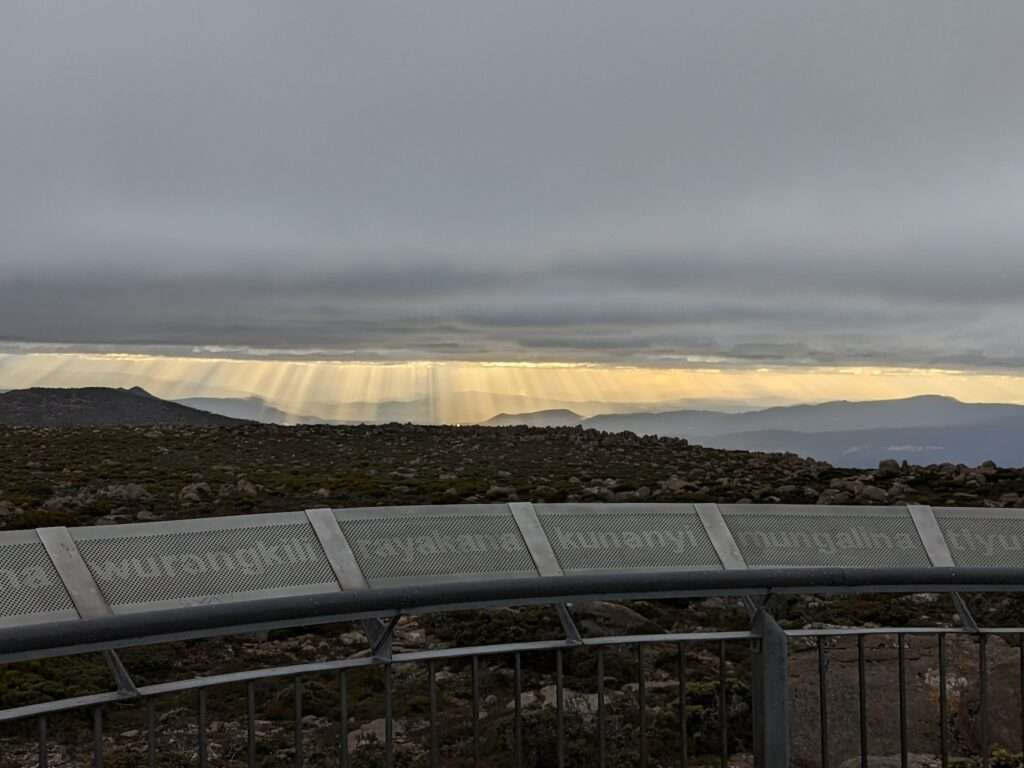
(105, 588)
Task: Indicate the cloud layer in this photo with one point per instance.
(792, 183)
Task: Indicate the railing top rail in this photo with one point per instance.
(129, 629)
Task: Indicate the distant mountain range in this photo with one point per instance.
(921, 430)
(554, 417)
(461, 407)
(970, 445)
(928, 429)
(99, 406)
(471, 407)
(246, 409)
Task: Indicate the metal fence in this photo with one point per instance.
(103, 589)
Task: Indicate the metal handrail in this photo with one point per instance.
(378, 596)
(142, 628)
(768, 644)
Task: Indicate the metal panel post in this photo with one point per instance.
(347, 572)
(770, 693)
(722, 540)
(543, 558)
(84, 592)
(336, 549)
(721, 537)
(938, 552)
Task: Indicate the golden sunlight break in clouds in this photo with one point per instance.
(471, 392)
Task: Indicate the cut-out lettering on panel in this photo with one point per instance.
(193, 562)
(30, 589)
(805, 536)
(983, 538)
(618, 537)
(449, 542)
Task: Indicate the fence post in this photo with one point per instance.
(770, 693)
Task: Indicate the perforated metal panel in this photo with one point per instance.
(824, 536)
(618, 537)
(204, 561)
(404, 544)
(983, 538)
(30, 589)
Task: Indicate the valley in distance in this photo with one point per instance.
(547, 456)
(923, 430)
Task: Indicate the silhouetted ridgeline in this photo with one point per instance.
(928, 429)
(98, 406)
(922, 430)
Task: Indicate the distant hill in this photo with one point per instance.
(453, 407)
(99, 406)
(247, 408)
(558, 417)
(475, 407)
(923, 411)
(971, 444)
(925, 429)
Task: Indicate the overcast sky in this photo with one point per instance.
(649, 183)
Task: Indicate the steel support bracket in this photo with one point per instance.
(381, 636)
(725, 545)
(84, 593)
(544, 559)
(939, 555)
(347, 572)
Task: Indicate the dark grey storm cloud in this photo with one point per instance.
(658, 182)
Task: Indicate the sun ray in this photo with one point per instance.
(467, 392)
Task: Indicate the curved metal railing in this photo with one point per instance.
(376, 566)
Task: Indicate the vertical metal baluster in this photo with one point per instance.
(684, 757)
(723, 705)
(641, 694)
(434, 756)
(904, 757)
(44, 757)
(862, 700)
(201, 727)
(983, 674)
(559, 713)
(298, 722)
(389, 725)
(250, 707)
(343, 689)
(475, 670)
(823, 700)
(151, 732)
(518, 712)
(601, 754)
(97, 737)
(943, 705)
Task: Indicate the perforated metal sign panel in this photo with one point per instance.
(823, 536)
(397, 545)
(31, 592)
(983, 538)
(193, 562)
(588, 538)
